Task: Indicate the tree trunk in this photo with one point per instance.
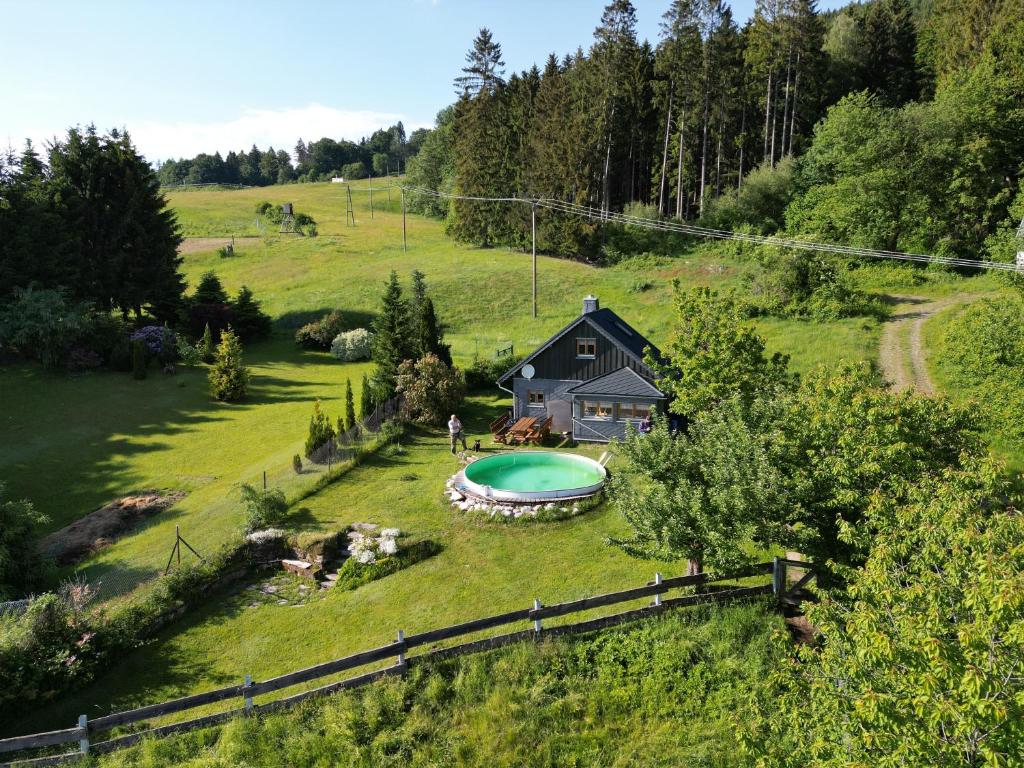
(767, 113)
(606, 183)
(775, 114)
(664, 151)
(785, 103)
(679, 168)
(792, 111)
(743, 141)
(704, 151)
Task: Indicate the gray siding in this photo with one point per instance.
(559, 361)
(554, 390)
(603, 430)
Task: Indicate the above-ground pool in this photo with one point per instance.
(532, 476)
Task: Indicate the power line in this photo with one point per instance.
(694, 230)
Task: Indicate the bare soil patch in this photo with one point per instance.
(200, 244)
(100, 528)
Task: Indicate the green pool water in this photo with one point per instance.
(532, 471)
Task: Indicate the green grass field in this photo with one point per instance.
(72, 443)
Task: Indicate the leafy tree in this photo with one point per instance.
(713, 355)
(248, 320)
(392, 336)
(919, 658)
(320, 430)
(851, 440)
(760, 203)
(705, 494)
(432, 389)
(350, 406)
(21, 566)
(42, 324)
(229, 378)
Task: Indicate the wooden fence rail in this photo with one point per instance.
(707, 591)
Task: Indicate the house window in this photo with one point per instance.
(634, 410)
(586, 347)
(594, 409)
(535, 397)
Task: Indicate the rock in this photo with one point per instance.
(364, 528)
(300, 567)
(282, 602)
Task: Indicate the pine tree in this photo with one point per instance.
(392, 336)
(350, 406)
(210, 290)
(229, 378)
(890, 45)
(320, 430)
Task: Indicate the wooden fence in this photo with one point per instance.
(343, 446)
(707, 589)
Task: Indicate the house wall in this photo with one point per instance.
(560, 362)
(603, 430)
(558, 402)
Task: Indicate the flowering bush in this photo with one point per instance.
(320, 333)
(350, 346)
(366, 549)
(153, 336)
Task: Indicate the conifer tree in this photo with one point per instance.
(350, 406)
(247, 318)
(229, 378)
(207, 347)
(392, 336)
(320, 430)
(365, 398)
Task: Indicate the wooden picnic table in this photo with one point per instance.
(522, 426)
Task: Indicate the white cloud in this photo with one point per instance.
(279, 128)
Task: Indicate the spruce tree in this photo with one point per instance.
(484, 66)
(247, 318)
(229, 378)
(350, 406)
(210, 290)
(393, 339)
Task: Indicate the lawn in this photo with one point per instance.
(72, 443)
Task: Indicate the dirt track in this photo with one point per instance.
(901, 354)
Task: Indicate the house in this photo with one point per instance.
(590, 377)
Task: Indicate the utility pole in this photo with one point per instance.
(533, 227)
(405, 242)
(371, 196)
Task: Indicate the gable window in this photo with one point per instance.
(595, 409)
(535, 397)
(586, 347)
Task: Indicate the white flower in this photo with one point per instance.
(366, 557)
(390, 533)
(388, 546)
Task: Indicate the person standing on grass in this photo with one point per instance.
(455, 432)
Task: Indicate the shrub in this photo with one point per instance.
(321, 333)
(83, 359)
(263, 508)
(432, 389)
(483, 374)
(353, 171)
(320, 430)
(229, 379)
(139, 360)
(297, 464)
(43, 325)
(188, 354)
(21, 565)
(350, 407)
(349, 346)
(760, 203)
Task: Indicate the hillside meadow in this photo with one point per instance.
(72, 443)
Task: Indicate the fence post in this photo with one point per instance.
(245, 693)
(83, 742)
(778, 577)
(401, 649)
(657, 595)
(536, 622)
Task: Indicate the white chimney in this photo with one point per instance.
(590, 304)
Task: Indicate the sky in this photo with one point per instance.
(186, 76)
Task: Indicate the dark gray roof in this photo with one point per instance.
(614, 327)
(624, 382)
(627, 337)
